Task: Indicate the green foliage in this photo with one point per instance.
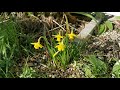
(102, 28)
(71, 52)
(66, 56)
(107, 25)
(99, 68)
(116, 70)
(27, 72)
(9, 46)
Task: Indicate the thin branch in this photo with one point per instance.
(59, 25)
(56, 27)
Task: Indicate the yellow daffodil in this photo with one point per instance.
(58, 36)
(71, 35)
(37, 45)
(60, 46)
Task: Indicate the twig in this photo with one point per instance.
(59, 25)
(56, 28)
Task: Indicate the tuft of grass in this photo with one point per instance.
(9, 47)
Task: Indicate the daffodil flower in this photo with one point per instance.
(60, 46)
(71, 35)
(58, 36)
(37, 45)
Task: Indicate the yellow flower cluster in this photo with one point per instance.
(60, 45)
(59, 37)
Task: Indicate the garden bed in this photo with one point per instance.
(68, 45)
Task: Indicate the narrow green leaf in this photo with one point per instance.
(109, 25)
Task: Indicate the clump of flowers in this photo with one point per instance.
(62, 46)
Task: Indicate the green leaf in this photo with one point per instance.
(109, 25)
(116, 69)
(102, 29)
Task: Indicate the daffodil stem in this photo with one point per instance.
(39, 39)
